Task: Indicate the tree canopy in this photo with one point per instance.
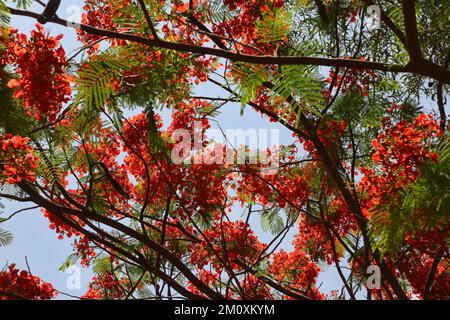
(364, 183)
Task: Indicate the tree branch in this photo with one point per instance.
(427, 69)
(149, 20)
(131, 232)
(412, 34)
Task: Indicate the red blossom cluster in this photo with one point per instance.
(233, 242)
(242, 27)
(113, 16)
(201, 186)
(17, 159)
(255, 289)
(250, 286)
(266, 189)
(296, 270)
(274, 104)
(211, 279)
(102, 14)
(252, 4)
(355, 80)
(314, 237)
(399, 152)
(16, 284)
(107, 286)
(329, 133)
(416, 265)
(40, 61)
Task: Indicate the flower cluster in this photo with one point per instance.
(255, 289)
(284, 188)
(211, 279)
(242, 27)
(251, 287)
(16, 284)
(40, 61)
(416, 265)
(295, 269)
(17, 159)
(329, 133)
(355, 80)
(107, 286)
(399, 152)
(233, 242)
(102, 14)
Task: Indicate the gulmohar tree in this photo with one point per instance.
(365, 183)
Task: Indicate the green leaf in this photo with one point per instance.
(271, 221)
(52, 170)
(249, 79)
(95, 83)
(23, 4)
(215, 11)
(101, 264)
(4, 15)
(70, 261)
(302, 86)
(6, 238)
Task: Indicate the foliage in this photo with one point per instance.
(364, 179)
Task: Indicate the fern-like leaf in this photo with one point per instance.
(6, 238)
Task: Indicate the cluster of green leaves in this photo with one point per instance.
(433, 19)
(301, 86)
(273, 25)
(4, 11)
(430, 194)
(12, 117)
(95, 82)
(363, 117)
(249, 79)
(271, 220)
(6, 237)
(215, 11)
(4, 14)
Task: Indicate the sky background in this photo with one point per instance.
(33, 238)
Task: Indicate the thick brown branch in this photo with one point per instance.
(148, 19)
(440, 96)
(322, 10)
(431, 275)
(412, 34)
(432, 70)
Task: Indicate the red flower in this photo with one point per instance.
(16, 284)
(399, 153)
(17, 159)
